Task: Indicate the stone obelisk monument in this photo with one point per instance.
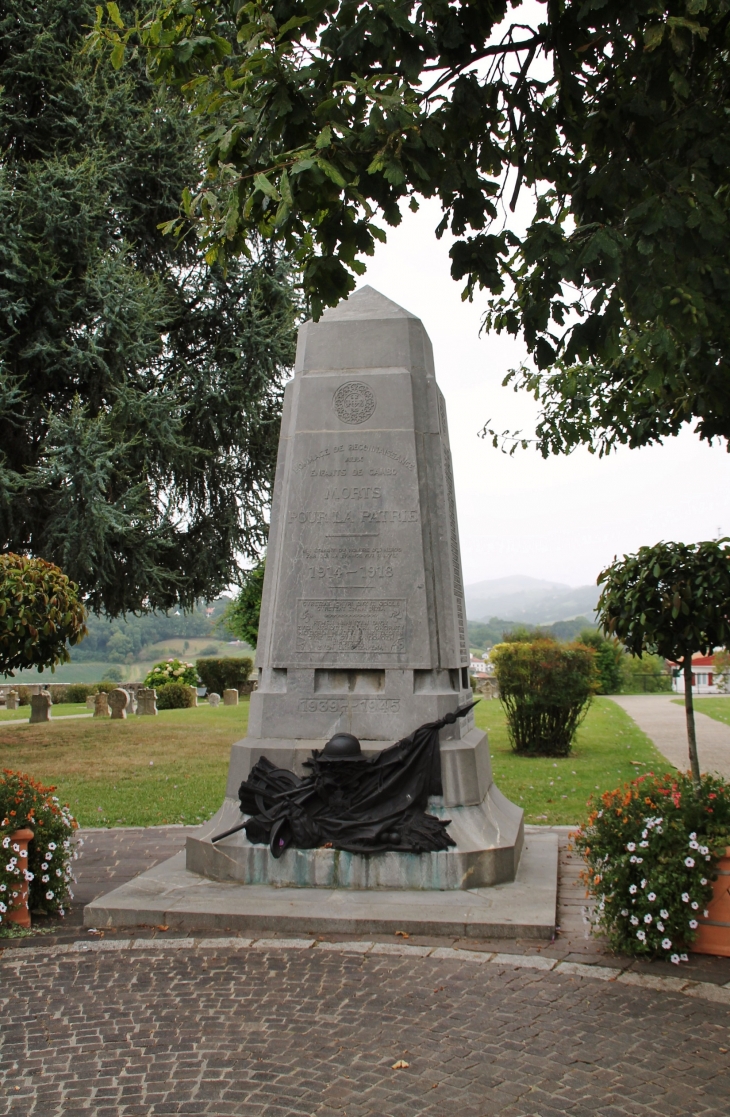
(363, 628)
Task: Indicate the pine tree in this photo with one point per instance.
(140, 387)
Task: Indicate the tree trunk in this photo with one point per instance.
(690, 713)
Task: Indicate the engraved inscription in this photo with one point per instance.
(340, 705)
(358, 448)
(364, 626)
(354, 402)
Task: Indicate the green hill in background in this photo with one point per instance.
(125, 648)
(485, 634)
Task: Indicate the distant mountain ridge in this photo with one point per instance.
(529, 600)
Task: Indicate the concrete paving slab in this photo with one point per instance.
(171, 895)
(664, 722)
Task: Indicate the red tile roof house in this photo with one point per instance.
(704, 677)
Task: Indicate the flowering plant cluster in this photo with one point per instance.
(651, 849)
(26, 803)
(172, 671)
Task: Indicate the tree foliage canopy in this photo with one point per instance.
(323, 116)
(40, 612)
(241, 617)
(140, 387)
(672, 599)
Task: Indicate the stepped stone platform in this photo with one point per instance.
(171, 895)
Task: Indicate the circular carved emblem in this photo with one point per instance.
(354, 402)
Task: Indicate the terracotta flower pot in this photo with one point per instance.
(19, 913)
(713, 933)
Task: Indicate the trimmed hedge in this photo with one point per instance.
(174, 696)
(228, 673)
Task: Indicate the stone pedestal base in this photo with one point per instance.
(170, 894)
(489, 843)
(487, 828)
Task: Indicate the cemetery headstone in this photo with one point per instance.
(118, 701)
(12, 700)
(90, 700)
(101, 706)
(214, 699)
(230, 697)
(193, 696)
(40, 707)
(146, 701)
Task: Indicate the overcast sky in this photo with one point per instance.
(562, 519)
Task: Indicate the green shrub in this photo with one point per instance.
(651, 850)
(79, 692)
(24, 693)
(58, 693)
(24, 802)
(174, 696)
(106, 686)
(609, 659)
(171, 671)
(645, 674)
(209, 649)
(545, 688)
(40, 613)
(228, 673)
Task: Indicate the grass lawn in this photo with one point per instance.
(139, 772)
(717, 708)
(60, 710)
(610, 749)
(172, 768)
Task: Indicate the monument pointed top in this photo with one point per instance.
(366, 303)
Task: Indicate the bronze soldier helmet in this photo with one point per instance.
(343, 746)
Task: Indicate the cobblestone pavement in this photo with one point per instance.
(221, 1032)
(89, 1026)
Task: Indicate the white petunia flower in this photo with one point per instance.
(49, 895)
(704, 849)
(643, 883)
(703, 880)
(648, 917)
(706, 913)
(641, 935)
(685, 897)
(693, 845)
(659, 925)
(689, 862)
(693, 924)
(632, 889)
(693, 836)
(633, 859)
(675, 959)
(643, 845)
(634, 921)
(51, 845)
(651, 897)
(44, 866)
(45, 878)
(631, 847)
(666, 944)
(28, 875)
(694, 905)
(664, 913)
(624, 912)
